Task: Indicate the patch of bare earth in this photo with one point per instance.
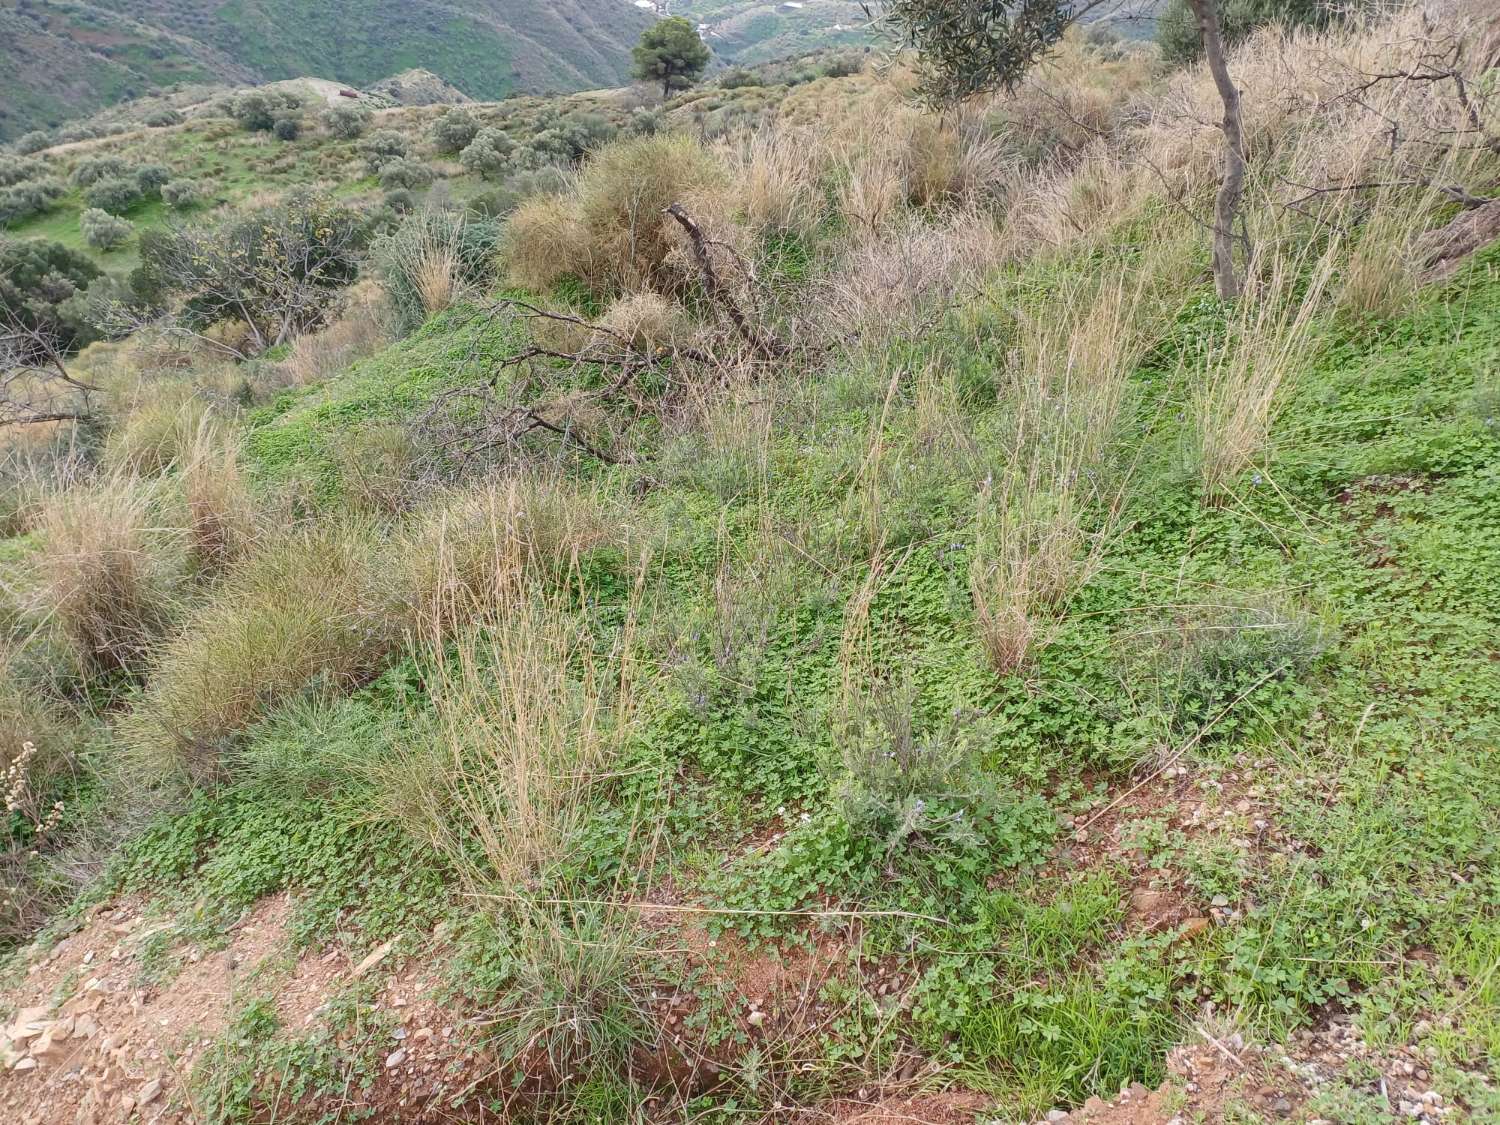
(91, 1038)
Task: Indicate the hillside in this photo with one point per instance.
(776, 608)
(755, 31)
(62, 60)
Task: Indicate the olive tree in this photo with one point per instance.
(277, 270)
(489, 153)
(103, 231)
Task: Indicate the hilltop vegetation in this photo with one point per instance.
(782, 606)
(62, 60)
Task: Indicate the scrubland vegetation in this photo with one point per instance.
(827, 528)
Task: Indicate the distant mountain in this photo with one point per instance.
(63, 58)
(755, 31)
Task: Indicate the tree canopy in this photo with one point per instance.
(671, 52)
(969, 47)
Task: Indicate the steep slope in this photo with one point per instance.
(62, 59)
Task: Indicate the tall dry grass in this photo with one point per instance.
(109, 570)
(522, 728)
(359, 330)
(609, 230)
(222, 515)
(1044, 521)
(1237, 389)
(324, 607)
(159, 423)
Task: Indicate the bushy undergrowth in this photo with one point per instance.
(860, 616)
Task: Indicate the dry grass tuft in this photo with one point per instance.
(467, 554)
(324, 608)
(1043, 524)
(359, 331)
(521, 729)
(648, 320)
(302, 610)
(157, 429)
(1236, 393)
(222, 517)
(892, 281)
(609, 231)
(377, 468)
(108, 571)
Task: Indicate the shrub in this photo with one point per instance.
(181, 194)
(1177, 28)
(738, 78)
(844, 65)
(400, 201)
(33, 142)
(103, 231)
(257, 110)
(611, 232)
(14, 169)
(286, 129)
(163, 118)
(43, 282)
(489, 154)
(115, 195)
(277, 269)
(25, 200)
(430, 258)
(151, 178)
(454, 131)
(407, 174)
(108, 582)
(570, 140)
(380, 147)
(92, 169)
(905, 787)
(346, 122)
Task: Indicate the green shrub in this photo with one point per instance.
(1177, 28)
(14, 169)
(91, 169)
(286, 128)
(346, 122)
(381, 147)
(570, 139)
(26, 200)
(401, 173)
(115, 195)
(43, 283)
(489, 154)
(454, 131)
(151, 178)
(163, 118)
(33, 142)
(257, 110)
(181, 194)
(103, 231)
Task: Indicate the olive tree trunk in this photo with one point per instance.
(1232, 186)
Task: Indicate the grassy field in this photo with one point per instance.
(986, 673)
